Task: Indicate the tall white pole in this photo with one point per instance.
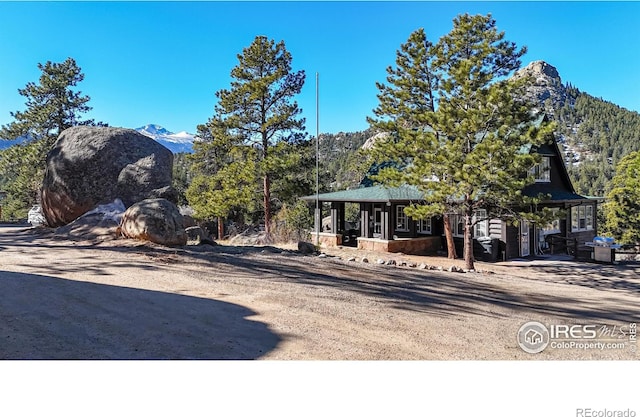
(318, 215)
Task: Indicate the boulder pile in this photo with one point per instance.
(90, 167)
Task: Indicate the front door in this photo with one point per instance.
(524, 238)
(377, 222)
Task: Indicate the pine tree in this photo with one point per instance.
(223, 176)
(407, 111)
(622, 207)
(52, 106)
(461, 144)
(258, 110)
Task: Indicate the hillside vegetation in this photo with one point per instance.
(600, 134)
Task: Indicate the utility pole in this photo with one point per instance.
(318, 215)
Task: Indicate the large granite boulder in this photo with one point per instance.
(156, 220)
(88, 166)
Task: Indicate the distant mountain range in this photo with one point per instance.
(175, 142)
(4, 144)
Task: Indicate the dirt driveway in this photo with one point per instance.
(122, 299)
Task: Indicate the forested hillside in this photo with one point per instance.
(599, 135)
(595, 134)
(342, 163)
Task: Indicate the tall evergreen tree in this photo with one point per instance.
(465, 154)
(622, 207)
(258, 111)
(224, 177)
(407, 112)
(52, 105)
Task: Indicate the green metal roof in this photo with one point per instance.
(544, 149)
(555, 193)
(373, 194)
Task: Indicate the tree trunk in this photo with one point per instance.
(468, 242)
(220, 228)
(448, 234)
(267, 207)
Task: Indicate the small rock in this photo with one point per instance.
(306, 248)
(195, 234)
(201, 248)
(365, 260)
(423, 266)
(402, 263)
(391, 262)
(438, 268)
(412, 265)
(322, 255)
(352, 259)
(380, 261)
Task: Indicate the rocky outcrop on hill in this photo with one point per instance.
(547, 88)
(89, 166)
(156, 220)
(370, 143)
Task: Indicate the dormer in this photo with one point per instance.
(542, 171)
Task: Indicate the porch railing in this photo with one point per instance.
(563, 245)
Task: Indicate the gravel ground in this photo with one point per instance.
(125, 299)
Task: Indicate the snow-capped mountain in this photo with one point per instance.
(175, 142)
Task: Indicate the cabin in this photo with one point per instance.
(383, 225)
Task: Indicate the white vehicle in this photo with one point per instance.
(35, 216)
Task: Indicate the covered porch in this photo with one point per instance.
(382, 224)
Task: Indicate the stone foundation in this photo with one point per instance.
(410, 246)
(327, 240)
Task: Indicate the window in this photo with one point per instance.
(402, 221)
(424, 226)
(581, 218)
(542, 171)
(589, 217)
(554, 226)
(480, 229)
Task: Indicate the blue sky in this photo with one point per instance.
(162, 62)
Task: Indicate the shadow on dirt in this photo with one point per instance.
(423, 291)
(43, 317)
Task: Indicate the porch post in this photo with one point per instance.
(341, 225)
(317, 221)
(334, 217)
(413, 227)
(365, 214)
(387, 222)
